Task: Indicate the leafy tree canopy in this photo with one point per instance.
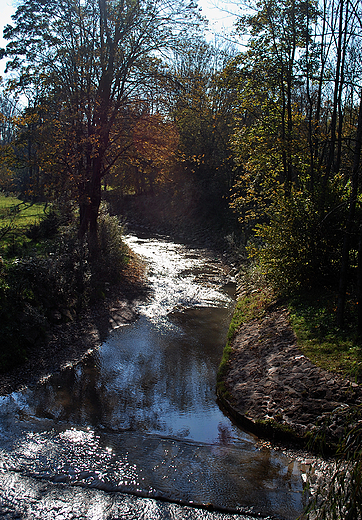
(83, 65)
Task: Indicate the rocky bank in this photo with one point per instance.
(271, 388)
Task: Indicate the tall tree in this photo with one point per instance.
(279, 32)
(201, 106)
(297, 142)
(92, 59)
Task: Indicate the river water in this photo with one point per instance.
(139, 418)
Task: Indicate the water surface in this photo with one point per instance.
(140, 416)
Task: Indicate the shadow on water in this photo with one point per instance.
(140, 414)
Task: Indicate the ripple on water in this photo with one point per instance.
(223, 474)
(140, 415)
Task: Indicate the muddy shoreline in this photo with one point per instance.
(67, 343)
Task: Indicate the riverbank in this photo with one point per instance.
(269, 386)
(68, 343)
(272, 389)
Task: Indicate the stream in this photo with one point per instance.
(134, 430)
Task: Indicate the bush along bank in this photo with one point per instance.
(53, 280)
(268, 383)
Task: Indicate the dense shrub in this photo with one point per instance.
(295, 252)
(112, 252)
(54, 286)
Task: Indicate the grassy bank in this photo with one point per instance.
(248, 307)
(312, 317)
(16, 218)
(19, 213)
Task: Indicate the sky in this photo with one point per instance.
(6, 10)
(218, 12)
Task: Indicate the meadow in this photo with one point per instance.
(16, 216)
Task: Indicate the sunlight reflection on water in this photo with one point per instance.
(140, 414)
(173, 275)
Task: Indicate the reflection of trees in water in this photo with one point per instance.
(144, 374)
(130, 389)
(74, 395)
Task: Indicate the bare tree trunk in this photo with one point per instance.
(336, 97)
(95, 202)
(321, 79)
(89, 207)
(340, 110)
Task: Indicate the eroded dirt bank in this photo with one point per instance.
(67, 343)
(273, 389)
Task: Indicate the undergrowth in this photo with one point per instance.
(312, 317)
(53, 278)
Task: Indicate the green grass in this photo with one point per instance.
(313, 320)
(248, 307)
(18, 213)
(15, 217)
